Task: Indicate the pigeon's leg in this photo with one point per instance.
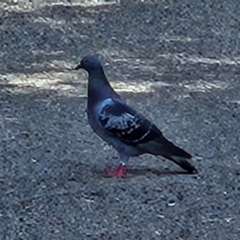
(120, 171)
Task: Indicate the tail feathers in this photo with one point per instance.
(183, 163)
(178, 156)
(170, 151)
(173, 150)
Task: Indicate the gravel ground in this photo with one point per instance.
(175, 61)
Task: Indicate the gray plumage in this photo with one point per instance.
(130, 133)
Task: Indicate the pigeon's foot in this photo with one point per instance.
(120, 171)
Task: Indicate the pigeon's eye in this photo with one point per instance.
(85, 62)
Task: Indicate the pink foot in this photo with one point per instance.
(120, 171)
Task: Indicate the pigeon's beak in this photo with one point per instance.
(78, 67)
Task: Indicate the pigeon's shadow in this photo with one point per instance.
(143, 171)
(133, 172)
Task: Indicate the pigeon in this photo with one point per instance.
(126, 130)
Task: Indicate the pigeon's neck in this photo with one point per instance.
(97, 79)
(99, 87)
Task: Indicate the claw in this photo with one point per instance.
(120, 171)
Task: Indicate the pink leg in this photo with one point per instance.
(120, 171)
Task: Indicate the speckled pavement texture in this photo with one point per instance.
(177, 62)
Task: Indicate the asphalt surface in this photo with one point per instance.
(177, 62)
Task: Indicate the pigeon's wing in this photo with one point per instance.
(123, 122)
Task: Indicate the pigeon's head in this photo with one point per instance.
(89, 63)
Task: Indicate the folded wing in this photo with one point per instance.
(126, 124)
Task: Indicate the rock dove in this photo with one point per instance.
(126, 130)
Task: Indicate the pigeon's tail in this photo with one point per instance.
(170, 151)
(183, 163)
(178, 156)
